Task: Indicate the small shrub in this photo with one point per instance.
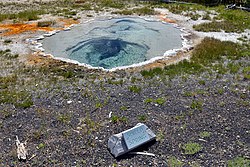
(191, 148)
(7, 41)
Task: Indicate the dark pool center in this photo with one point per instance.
(115, 42)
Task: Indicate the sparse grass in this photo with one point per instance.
(115, 82)
(117, 119)
(123, 108)
(205, 134)
(160, 136)
(41, 146)
(142, 118)
(151, 73)
(7, 54)
(174, 162)
(246, 72)
(18, 98)
(148, 100)
(64, 118)
(233, 68)
(6, 81)
(27, 15)
(160, 101)
(135, 89)
(196, 105)
(139, 11)
(112, 4)
(179, 8)
(232, 21)
(191, 148)
(238, 162)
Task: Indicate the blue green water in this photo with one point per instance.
(116, 42)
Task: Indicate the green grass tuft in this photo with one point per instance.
(191, 148)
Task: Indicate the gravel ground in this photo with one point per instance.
(68, 124)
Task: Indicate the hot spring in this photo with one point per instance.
(116, 42)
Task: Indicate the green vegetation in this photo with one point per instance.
(238, 162)
(139, 11)
(191, 148)
(196, 105)
(27, 15)
(18, 98)
(142, 118)
(246, 73)
(7, 54)
(160, 136)
(159, 100)
(232, 21)
(135, 89)
(205, 134)
(64, 118)
(112, 4)
(115, 82)
(7, 41)
(179, 8)
(117, 119)
(152, 72)
(174, 162)
(41, 146)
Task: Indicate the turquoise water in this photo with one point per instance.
(116, 42)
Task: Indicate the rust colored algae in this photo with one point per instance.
(164, 18)
(13, 29)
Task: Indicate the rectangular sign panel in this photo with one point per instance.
(135, 136)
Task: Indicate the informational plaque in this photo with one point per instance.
(135, 136)
(125, 141)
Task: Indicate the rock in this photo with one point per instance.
(21, 150)
(130, 139)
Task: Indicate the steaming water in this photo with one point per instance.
(116, 42)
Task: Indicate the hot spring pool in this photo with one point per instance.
(115, 42)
